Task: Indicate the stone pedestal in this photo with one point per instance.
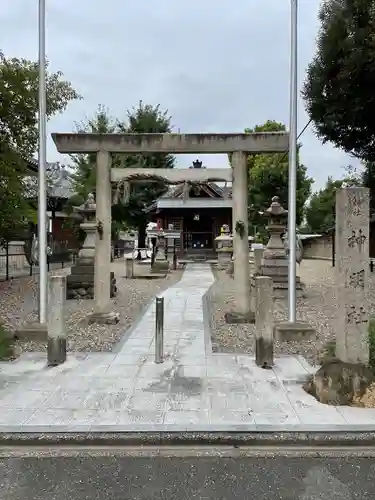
(161, 264)
(224, 248)
(81, 281)
(275, 261)
(352, 274)
(224, 257)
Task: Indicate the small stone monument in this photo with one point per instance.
(80, 283)
(352, 274)
(275, 261)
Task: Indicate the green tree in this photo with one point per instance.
(84, 166)
(268, 177)
(84, 176)
(320, 211)
(144, 118)
(368, 180)
(19, 132)
(339, 87)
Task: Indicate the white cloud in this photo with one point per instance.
(217, 66)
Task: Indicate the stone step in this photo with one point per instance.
(81, 269)
(77, 279)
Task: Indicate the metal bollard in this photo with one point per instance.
(159, 330)
(56, 348)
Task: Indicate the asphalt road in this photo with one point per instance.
(119, 477)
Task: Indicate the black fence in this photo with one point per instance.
(16, 259)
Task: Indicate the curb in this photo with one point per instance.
(248, 439)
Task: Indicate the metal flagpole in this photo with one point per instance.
(292, 165)
(42, 194)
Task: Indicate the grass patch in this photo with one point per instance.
(6, 344)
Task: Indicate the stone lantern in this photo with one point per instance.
(275, 261)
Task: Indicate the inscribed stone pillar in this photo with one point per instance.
(240, 241)
(352, 273)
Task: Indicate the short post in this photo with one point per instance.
(264, 322)
(56, 349)
(258, 255)
(159, 330)
(129, 268)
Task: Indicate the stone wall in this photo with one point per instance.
(318, 248)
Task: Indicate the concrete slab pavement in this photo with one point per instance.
(193, 390)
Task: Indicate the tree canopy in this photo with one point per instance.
(268, 177)
(19, 132)
(143, 118)
(320, 210)
(339, 87)
(368, 180)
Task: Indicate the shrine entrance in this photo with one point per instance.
(237, 145)
(198, 232)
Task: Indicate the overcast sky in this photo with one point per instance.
(216, 65)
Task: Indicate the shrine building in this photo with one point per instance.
(197, 211)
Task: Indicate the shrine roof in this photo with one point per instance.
(213, 190)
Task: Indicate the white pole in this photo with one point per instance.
(292, 165)
(42, 194)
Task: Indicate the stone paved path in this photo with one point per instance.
(192, 390)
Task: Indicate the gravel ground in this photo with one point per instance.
(18, 305)
(318, 308)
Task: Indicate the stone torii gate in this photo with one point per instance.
(238, 145)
